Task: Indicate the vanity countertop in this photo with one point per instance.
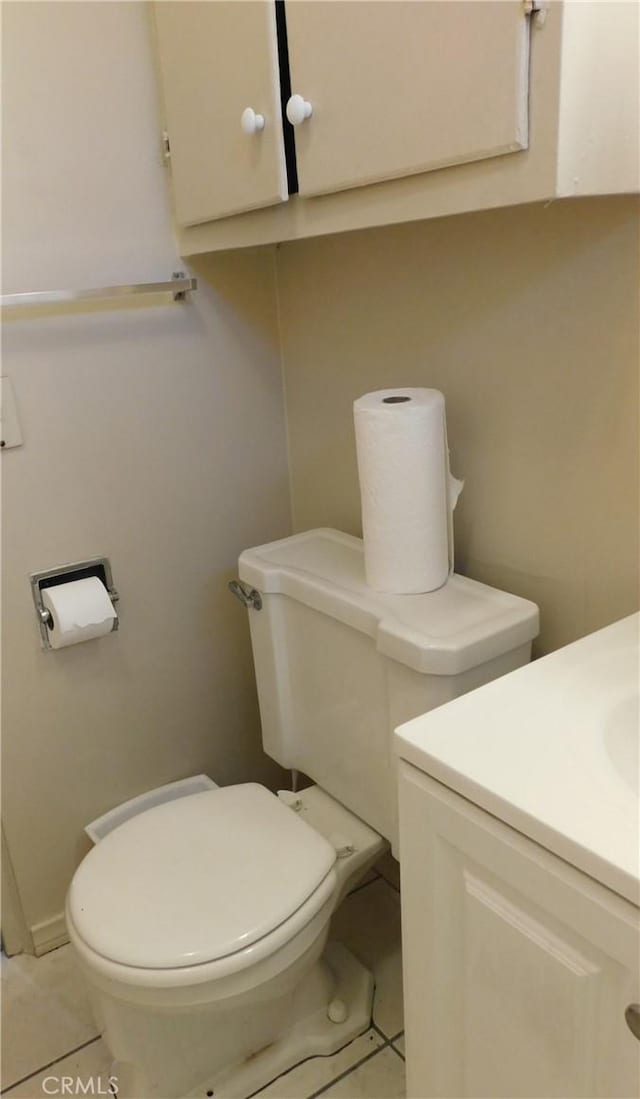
(552, 750)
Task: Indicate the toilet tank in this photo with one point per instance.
(339, 666)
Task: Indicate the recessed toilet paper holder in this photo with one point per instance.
(64, 574)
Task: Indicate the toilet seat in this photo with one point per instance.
(217, 980)
(199, 880)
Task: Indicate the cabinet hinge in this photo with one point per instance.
(537, 9)
(166, 148)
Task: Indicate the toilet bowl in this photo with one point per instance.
(200, 926)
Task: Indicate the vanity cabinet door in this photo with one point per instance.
(518, 968)
(404, 86)
(217, 60)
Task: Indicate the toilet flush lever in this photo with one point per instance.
(249, 597)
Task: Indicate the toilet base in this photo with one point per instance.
(314, 1035)
(337, 979)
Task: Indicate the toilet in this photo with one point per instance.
(201, 925)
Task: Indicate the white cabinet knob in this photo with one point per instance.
(298, 109)
(251, 122)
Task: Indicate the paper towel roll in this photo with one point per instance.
(405, 489)
(80, 611)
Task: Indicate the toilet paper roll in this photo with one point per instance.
(407, 492)
(80, 611)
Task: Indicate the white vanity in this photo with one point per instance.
(520, 849)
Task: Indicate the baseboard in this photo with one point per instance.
(16, 937)
(49, 934)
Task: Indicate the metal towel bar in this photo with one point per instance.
(178, 287)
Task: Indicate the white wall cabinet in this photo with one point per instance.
(402, 109)
(518, 968)
(398, 87)
(218, 68)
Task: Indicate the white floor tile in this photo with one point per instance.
(45, 1012)
(399, 1044)
(381, 1077)
(310, 1076)
(368, 923)
(88, 1069)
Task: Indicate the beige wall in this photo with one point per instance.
(155, 436)
(527, 320)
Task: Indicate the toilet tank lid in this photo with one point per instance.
(443, 632)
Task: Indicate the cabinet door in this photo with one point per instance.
(518, 969)
(216, 59)
(404, 86)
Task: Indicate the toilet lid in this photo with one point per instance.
(197, 879)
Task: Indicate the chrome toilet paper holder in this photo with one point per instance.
(64, 574)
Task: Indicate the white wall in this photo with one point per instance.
(155, 436)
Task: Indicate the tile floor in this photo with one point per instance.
(47, 1028)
